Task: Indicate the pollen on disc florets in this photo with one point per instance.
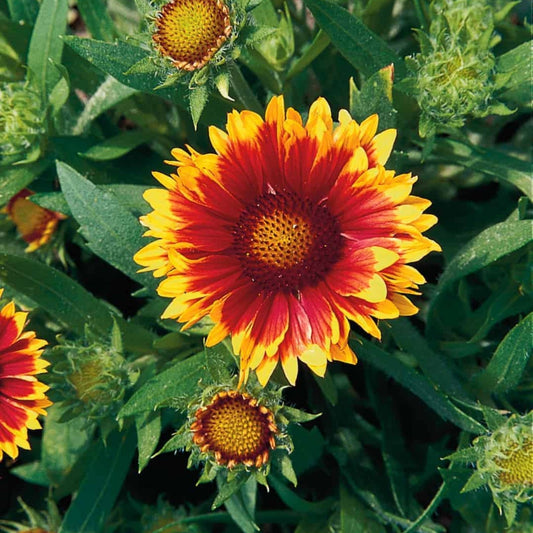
(190, 32)
(508, 457)
(235, 429)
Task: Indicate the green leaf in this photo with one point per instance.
(319, 44)
(148, 427)
(14, 179)
(393, 447)
(108, 94)
(287, 470)
(432, 364)
(374, 97)
(46, 45)
(491, 162)
(296, 503)
(477, 480)
(178, 441)
(63, 443)
(472, 505)
(14, 39)
(130, 196)
(23, 10)
(228, 487)
(68, 302)
(509, 361)
(117, 146)
(328, 387)
(466, 455)
(313, 524)
(222, 84)
(100, 487)
(255, 62)
(373, 501)
(516, 66)
(219, 360)
(296, 415)
(485, 248)
(355, 518)
(360, 46)
(493, 418)
(33, 473)
(309, 446)
(241, 506)
(417, 384)
(263, 12)
(112, 232)
(59, 94)
(248, 495)
(58, 294)
(117, 58)
(180, 380)
(96, 17)
(197, 102)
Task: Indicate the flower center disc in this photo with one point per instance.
(518, 466)
(189, 32)
(236, 429)
(86, 380)
(285, 242)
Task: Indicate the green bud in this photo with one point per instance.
(275, 45)
(504, 463)
(455, 69)
(91, 379)
(164, 516)
(21, 119)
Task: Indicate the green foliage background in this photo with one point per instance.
(374, 460)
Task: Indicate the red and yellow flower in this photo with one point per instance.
(284, 234)
(190, 32)
(236, 429)
(22, 396)
(35, 224)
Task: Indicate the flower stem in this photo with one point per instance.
(243, 92)
(428, 511)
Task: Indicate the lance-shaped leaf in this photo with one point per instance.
(365, 50)
(46, 45)
(112, 232)
(101, 485)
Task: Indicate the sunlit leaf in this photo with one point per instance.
(178, 381)
(46, 45)
(360, 46)
(117, 146)
(112, 231)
